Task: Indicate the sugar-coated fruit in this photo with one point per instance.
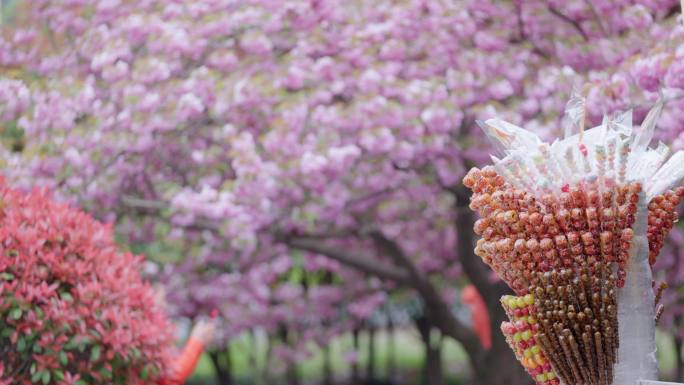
(535, 349)
(526, 335)
(520, 302)
(512, 303)
(529, 299)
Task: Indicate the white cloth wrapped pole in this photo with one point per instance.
(636, 313)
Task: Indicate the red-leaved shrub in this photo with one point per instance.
(73, 308)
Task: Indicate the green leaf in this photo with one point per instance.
(7, 276)
(71, 345)
(95, 353)
(143, 374)
(296, 275)
(45, 377)
(21, 344)
(107, 374)
(136, 353)
(58, 374)
(67, 297)
(36, 376)
(63, 359)
(83, 343)
(16, 313)
(80, 382)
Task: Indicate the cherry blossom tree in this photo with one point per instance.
(264, 129)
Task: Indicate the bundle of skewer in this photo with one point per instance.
(559, 230)
(521, 335)
(578, 318)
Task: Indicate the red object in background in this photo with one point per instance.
(185, 364)
(480, 315)
(213, 314)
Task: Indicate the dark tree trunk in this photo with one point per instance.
(292, 372)
(327, 366)
(370, 364)
(223, 365)
(434, 375)
(679, 368)
(265, 377)
(253, 355)
(404, 272)
(500, 356)
(356, 378)
(679, 361)
(498, 366)
(391, 350)
(432, 367)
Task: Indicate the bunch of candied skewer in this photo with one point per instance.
(578, 318)
(522, 233)
(662, 215)
(562, 250)
(558, 225)
(521, 334)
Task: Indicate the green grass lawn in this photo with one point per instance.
(408, 358)
(666, 355)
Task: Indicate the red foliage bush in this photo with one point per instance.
(73, 309)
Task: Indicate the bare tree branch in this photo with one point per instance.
(407, 274)
(473, 266)
(394, 251)
(365, 263)
(139, 203)
(439, 311)
(156, 205)
(371, 195)
(523, 35)
(570, 21)
(599, 19)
